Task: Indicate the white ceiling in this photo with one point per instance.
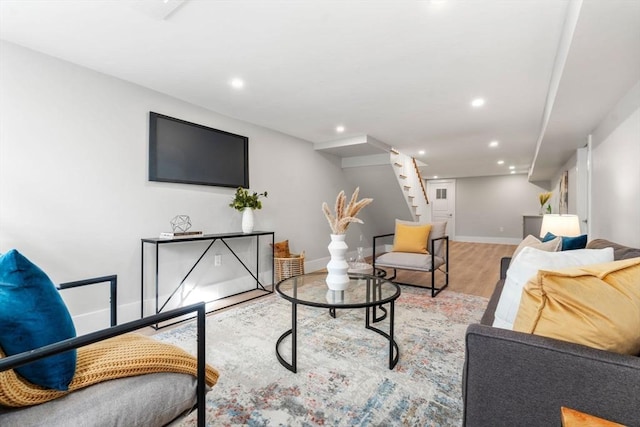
(398, 72)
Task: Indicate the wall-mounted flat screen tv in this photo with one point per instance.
(188, 153)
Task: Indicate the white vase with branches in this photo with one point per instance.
(337, 277)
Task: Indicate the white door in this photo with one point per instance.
(442, 199)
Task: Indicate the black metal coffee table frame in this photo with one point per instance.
(373, 300)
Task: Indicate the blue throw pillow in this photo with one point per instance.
(569, 243)
(32, 314)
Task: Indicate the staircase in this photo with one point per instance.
(412, 185)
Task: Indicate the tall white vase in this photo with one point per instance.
(247, 220)
(337, 278)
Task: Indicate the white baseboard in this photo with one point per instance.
(100, 319)
(495, 240)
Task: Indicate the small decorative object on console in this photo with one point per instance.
(180, 223)
(243, 200)
(337, 278)
(246, 203)
(180, 234)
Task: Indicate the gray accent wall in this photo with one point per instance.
(379, 183)
(490, 209)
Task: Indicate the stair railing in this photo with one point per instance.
(424, 191)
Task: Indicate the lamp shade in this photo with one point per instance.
(560, 225)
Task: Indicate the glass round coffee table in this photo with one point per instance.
(372, 293)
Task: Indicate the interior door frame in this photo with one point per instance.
(451, 195)
(583, 186)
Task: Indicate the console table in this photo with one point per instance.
(211, 238)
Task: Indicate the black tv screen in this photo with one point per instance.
(189, 153)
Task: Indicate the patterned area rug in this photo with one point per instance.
(343, 377)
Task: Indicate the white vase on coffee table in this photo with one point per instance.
(337, 277)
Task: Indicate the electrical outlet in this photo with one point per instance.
(217, 260)
(501, 229)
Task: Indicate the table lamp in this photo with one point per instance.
(560, 225)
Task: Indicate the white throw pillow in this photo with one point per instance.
(553, 245)
(527, 264)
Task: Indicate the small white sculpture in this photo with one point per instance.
(180, 223)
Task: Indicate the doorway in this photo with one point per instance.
(442, 199)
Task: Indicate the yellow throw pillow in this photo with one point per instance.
(596, 305)
(281, 249)
(573, 418)
(411, 238)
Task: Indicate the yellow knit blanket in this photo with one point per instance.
(122, 356)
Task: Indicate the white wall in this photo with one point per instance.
(490, 209)
(616, 184)
(74, 193)
(615, 157)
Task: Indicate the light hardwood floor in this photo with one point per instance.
(474, 268)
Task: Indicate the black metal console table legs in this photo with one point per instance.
(211, 239)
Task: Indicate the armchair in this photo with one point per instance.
(150, 399)
(435, 258)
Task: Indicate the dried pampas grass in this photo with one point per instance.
(344, 215)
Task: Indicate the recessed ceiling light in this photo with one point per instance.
(435, 176)
(512, 172)
(512, 167)
(478, 102)
(237, 83)
(493, 144)
(421, 152)
(501, 162)
(339, 129)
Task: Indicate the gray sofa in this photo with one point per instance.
(517, 379)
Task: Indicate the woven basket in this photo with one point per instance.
(289, 267)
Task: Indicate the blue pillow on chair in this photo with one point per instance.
(569, 243)
(32, 314)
